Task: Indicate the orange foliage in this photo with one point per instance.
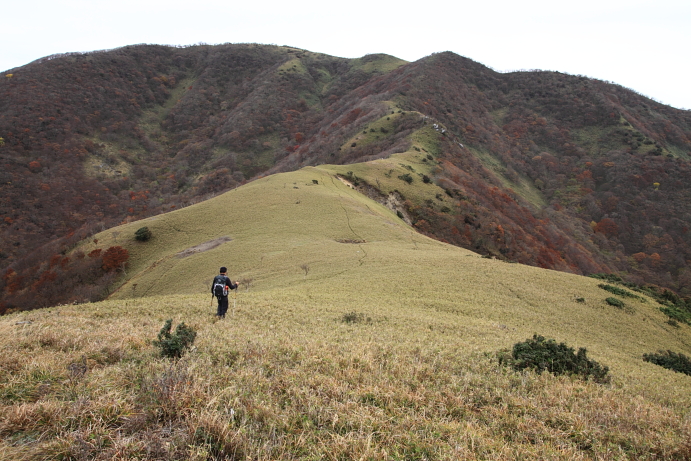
(655, 259)
(639, 257)
(607, 227)
(114, 257)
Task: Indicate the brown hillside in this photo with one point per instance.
(542, 168)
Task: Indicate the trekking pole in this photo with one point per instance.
(235, 299)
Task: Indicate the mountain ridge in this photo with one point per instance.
(545, 157)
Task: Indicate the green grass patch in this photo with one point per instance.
(677, 313)
(499, 116)
(292, 66)
(524, 187)
(428, 140)
(379, 63)
(372, 132)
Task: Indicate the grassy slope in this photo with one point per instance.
(410, 381)
(280, 223)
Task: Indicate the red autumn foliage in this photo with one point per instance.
(639, 257)
(114, 258)
(607, 227)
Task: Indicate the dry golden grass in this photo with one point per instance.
(285, 377)
(358, 339)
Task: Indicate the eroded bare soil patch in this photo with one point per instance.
(206, 246)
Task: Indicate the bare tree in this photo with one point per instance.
(305, 268)
(247, 282)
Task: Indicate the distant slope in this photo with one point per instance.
(272, 226)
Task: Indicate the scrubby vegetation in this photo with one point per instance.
(541, 354)
(670, 360)
(143, 234)
(174, 345)
(678, 309)
(615, 302)
(386, 349)
(356, 317)
(619, 291)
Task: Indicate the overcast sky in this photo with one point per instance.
(641, 44)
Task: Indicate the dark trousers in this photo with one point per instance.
(222, 306)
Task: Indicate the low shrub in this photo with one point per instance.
(542, 354)
(670, 360)
(143, 234)
(673, 305)
(355, 317)
(612, 278)
(677, 314)
(620, 291)
(406, 177)
(175, 344)
(615, 302)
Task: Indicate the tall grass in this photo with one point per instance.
(286, 377)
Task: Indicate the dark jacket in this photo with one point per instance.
(223, 280)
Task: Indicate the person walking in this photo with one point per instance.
(220, 288)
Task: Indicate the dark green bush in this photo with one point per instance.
(674, 306)
(615, 302)
(542, 354)
(670, 360)
(406, 177)
(174, 345)
(677, 314)
(143, 234)
(607, 277)
(620, 291)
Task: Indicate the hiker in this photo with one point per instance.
(219, 288)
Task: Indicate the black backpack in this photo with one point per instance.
(220, 288)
